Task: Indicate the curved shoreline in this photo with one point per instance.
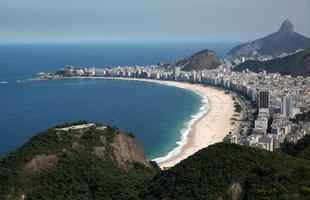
(209, 128)
(186, 131)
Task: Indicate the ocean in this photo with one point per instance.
(156, 114)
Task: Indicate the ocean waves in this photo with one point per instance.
(184, 133)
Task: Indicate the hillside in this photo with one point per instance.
(286, 40)
(87, 163)
(229, 171)
(93, 163)
(301, 149)
(205, 59)
(296, 65)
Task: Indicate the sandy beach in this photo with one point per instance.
(210, 128)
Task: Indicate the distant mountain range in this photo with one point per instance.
(205, 59)
(283, 41)
(104, 163)
(297, 64)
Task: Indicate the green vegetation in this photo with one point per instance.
(205, 59)
(221, 171)
(296, 65)
(238, 107)
(77, 177)
(301, 149)
(78, 174)
(303, 117)
(211, 172)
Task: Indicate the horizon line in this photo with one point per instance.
(116, 42)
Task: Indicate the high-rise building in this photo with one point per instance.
(176, 72)
(287, 105)
(263, 99)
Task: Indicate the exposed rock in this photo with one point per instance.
(128, 151)
(235, 191)
(103, 139)
(22, 197)
(99, 151)
(283, 41)
(205, 59)
(41, 162)
(78, 147)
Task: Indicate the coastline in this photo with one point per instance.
(211, 125)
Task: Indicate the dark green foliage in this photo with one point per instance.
(88, 177)
(300, 149)
(48, 142)
(211, 172)
(131, 135)
(208, 174)
(238, 107)
(303, 117)
(77, 174)
(113, 131)
(296, 65)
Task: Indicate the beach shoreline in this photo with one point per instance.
(210, 128)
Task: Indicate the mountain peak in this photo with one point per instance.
(286, 40)
(287, 27)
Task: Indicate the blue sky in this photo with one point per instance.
(147, 20)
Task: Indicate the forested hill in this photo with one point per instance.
(229, 171)
(95, 162)
(205, 59)
(296, 65)
(104, 163)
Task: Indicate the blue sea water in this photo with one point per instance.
(156, 114)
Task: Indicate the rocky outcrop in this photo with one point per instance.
(78, 147)
(128, 151)
(205, 59)
(283, 41)
(99, 151)
(41, 162)
(235, 191)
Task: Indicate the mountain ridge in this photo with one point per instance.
(285, 40)
(297, 64)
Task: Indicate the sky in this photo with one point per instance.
(32, 21)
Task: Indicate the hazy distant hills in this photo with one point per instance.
(283, 41)
(97, 163)
(205, 59)
(296, 65)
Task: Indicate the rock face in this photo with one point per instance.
(235, 191)
(283, 41)
(205, 59)
(128, 151)
(41, 162)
